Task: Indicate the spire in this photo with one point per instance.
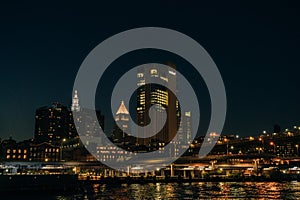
(75, 95)
(75, 102)
(122, 109)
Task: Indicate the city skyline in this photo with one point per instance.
(74, 106)
(111, 125)
(150, 100)
(255, 52)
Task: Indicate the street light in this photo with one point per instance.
(297, 147)
(262, 142)
(273, 144)
(61, 145)
(226, 140)
(259, 149)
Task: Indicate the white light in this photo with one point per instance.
(188, 114)
(172, 73)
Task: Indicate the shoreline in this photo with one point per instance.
(141, 180)
(69, 183)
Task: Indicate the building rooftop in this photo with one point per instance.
(122, 109)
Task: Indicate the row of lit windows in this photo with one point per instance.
(15, 156)
(162, 91)
(46, 150)
(8, 151)
(157, 94)
(51, 150)
(43, 155)
(141, 83)
(104, 147)
(159, 102)
(153, 72)
(159, 99)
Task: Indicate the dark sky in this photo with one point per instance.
(255, 46)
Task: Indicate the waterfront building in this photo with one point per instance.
(14, 151)
(111, 153)
(44, 152)
(28, 150)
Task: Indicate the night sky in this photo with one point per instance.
(255, 46)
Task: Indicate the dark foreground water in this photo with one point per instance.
(228, 190)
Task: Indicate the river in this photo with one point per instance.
(222, 190)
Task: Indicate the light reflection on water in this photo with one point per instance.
(228, 190)
(223, 190)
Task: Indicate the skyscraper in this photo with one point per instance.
(154, 94)
(122, 120)
(75, 102)
(53, 123)
(185, 131)
(88, 127)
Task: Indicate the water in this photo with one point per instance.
(228, 190)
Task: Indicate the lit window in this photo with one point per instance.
(140, 75)
(153, 71)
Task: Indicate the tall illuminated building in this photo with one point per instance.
(185, 131)
(154, 94)
(88, 127)
(122, 126)
(53, 123)
(75, 102)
